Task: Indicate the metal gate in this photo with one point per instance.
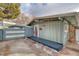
(15, 32)
(12, 33)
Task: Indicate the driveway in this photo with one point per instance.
(28, 47)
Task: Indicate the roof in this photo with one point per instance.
(54, 9)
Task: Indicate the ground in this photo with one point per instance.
(28, 47)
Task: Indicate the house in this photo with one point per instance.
(56, 22)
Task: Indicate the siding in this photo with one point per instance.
(77, 35)
(52, 31)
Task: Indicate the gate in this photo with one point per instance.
(15, 32)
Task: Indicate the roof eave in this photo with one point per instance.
(57, 15)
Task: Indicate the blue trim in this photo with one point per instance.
(54, 45)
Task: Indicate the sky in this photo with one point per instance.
(25, 7)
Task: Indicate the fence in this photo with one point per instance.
(16, 32)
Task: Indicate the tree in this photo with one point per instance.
(9, 10)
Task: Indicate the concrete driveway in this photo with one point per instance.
(28, 47)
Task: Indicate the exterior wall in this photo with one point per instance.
(72, 34)
(52, 30)
(66, 27)
(77, 30)
(77, 35)
(36, 30)
(44, 30)
(72, 31)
